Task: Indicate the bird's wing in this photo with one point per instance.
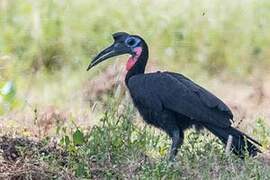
(175, 92)
(206, 97)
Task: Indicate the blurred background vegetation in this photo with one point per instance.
(46, 45)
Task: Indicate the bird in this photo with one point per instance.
(172, 102)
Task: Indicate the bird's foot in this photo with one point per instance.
(172, 155)
(172, 159)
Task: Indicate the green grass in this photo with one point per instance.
(214, 36)
(117, 148)
(120, 149)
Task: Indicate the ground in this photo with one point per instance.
(49, 142)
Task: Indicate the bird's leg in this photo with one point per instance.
(177, 140)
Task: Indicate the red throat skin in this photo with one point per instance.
(133, 59)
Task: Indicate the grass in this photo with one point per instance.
(44, 43)
(50, 42)
(216, 36)
(45, 92)
(117, 148)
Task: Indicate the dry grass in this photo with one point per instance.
(19, 159)
(30, 170)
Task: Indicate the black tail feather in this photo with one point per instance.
(241, 143)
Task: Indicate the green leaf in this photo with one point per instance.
(65, 140)
(80, 170)
(78, 137)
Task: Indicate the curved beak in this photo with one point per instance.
(115, 49)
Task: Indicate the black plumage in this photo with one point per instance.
(171, 101)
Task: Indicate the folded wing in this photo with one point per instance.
(177, 93)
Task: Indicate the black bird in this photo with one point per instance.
(171, 101)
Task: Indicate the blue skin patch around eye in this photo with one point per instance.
(132, 42)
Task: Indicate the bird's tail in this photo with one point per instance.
(241, 143)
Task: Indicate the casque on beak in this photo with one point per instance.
(116, 49)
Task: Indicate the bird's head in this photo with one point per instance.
(124, 43)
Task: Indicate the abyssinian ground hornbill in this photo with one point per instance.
(171, 101)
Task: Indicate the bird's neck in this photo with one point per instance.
(139, 66)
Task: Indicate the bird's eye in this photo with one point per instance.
(131, 42)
